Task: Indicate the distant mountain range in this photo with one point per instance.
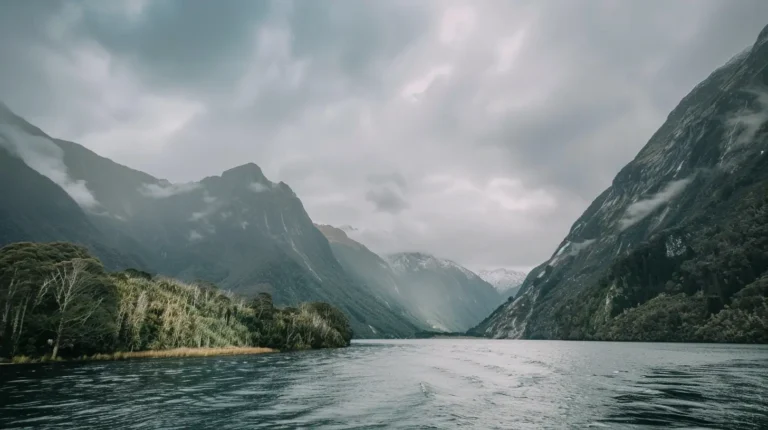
(676, 249)
(238, 230)
(435, 294)
(507, 282)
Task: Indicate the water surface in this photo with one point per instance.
(406, 384)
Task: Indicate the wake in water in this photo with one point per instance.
(405, 384)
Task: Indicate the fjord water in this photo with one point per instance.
(438, 383)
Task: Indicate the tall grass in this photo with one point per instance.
(165, 313)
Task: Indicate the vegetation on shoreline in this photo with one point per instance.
(164, 353)
(56, 301)
(714, 288)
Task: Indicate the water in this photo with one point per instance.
(479, 384)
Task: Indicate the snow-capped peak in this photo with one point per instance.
(411, 260)
(503, 279)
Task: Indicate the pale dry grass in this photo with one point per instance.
(162, 353)
(183, 352)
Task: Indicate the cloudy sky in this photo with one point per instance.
(477, 131)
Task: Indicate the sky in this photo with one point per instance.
(476, 131)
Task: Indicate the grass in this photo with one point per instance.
(182, 352)
(161, 353)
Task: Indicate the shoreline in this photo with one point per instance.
(160, 353)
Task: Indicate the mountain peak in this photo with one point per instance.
(506, 281)
(420, 260)
(248, 171)
(337, 235)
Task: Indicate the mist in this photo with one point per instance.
(45, 157)
(640, 209)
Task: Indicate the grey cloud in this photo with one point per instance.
(387, 199)
(640, 209)
(389, 178)
(178, 42)
(313, 93)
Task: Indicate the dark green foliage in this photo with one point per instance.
(714, 290)
(34, 315)
(56, 298)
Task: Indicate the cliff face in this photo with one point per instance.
(657, 241)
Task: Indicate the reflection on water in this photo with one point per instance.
(405, 384)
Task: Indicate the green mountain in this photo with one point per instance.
(676, 249)
(238, 230)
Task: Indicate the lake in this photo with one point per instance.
(438, 383)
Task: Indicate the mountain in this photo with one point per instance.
(432, 293)
(373, 272)
(507, 282)
(443, 294)
(35, 208)
(676, 249)
(238, 230)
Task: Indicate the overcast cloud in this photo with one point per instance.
(477, 131)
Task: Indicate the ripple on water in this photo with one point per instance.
(404, 384)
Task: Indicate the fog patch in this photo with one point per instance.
(207, 198)
(158, 191)
(746, 123)
(46, 158)
(571, 249)
(257, 187)
(640, 209)
(206, 213)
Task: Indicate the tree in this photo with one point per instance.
(76, 292)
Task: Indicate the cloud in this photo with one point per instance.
(640, 209)
(45, 157)
(161, 191)
(386, 199)
(747, 122)
(194, 235)
(257, 187)
(526, 109)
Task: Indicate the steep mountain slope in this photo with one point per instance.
(445, 295)
(238, 230)
(507, 282)
(677, 247)
(373, 272)
(35, 208)
(434, 294)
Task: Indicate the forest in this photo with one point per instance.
(713, 288)
(58, 302)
